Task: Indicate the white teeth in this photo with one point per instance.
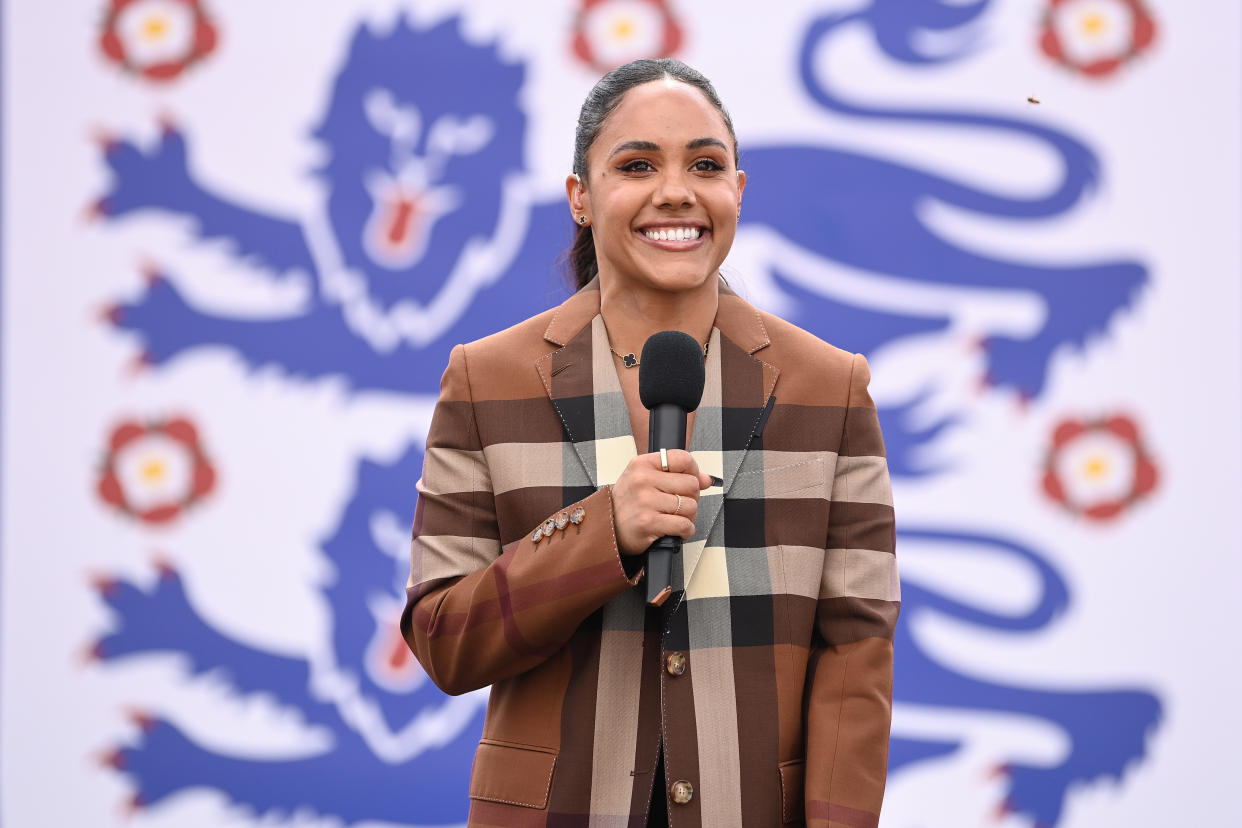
(675, 234)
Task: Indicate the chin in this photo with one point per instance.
(678, 279)
(673, 283)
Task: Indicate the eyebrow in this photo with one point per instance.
(648, 146)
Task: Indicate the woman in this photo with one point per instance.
(760, 693)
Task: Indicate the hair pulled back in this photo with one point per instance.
(599, 104)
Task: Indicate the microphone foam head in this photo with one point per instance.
(671, 371)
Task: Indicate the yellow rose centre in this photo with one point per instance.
(623, 29)
(1096, 467)
(154, 27)
(1094, 24)
(153, 470)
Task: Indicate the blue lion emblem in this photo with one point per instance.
(427, 216)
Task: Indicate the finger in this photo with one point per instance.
(675, 525)
(680, 461)
(687, 507)
(686, 485)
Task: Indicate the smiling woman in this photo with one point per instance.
(730, 704)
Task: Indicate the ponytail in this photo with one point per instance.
(582, 264)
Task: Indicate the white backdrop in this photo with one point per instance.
(212, 412)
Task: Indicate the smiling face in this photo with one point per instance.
(661, 191)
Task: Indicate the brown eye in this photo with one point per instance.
(636, 167)
(707, 165)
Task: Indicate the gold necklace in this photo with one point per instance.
(631, 361)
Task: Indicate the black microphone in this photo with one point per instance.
(670, 384)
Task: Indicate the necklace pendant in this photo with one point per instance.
(629, 360)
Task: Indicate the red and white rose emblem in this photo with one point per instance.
(1095, 37)
(154, 472)
(157, 39)
(1098, 468)
(608, 33)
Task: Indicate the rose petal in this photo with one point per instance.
(110, 489)
(204, 480)
(124, 434)
(1145, 477)
(1144, 28)
(1123, 427)
(181, 430)
(1066, 431)
(1104, 511)
(161, 514)
(111, 46)
(1052, 485)
(204, 38)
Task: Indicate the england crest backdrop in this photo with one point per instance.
(239, 239)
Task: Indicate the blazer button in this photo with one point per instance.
(675, 664)
(682, 792)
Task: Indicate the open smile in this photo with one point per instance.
(674, 237)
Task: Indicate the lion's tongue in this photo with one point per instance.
(399, 655)
(404, 219)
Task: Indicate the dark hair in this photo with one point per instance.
(599, 104)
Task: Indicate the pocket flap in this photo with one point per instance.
(512, 774)
(793, 775)
(788, 479)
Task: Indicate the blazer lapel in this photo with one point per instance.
(738, 388)
(582, 383)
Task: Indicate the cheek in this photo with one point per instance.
(610, 240)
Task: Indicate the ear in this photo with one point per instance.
(741, 186)
(579, 203)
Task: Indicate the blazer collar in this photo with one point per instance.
(581, 381)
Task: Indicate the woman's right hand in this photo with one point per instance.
(645, 501)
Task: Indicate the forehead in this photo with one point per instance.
(667, 112)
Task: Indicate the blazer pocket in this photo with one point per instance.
(793, 775)
(803, 476)
(512, 774)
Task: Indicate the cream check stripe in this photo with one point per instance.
(860, 573)
(451, 470)
(621, 642)
(512, 465)
(617, 690)
(715, 715)
(706, 443)
(862, 480)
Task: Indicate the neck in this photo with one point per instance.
(633, 315)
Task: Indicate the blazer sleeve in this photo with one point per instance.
(476, 613)
(851, 669)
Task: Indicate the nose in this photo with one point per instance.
(674, 190)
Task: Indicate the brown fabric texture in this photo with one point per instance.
(777, 711)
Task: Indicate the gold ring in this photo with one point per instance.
(677, 509)
(663, 459)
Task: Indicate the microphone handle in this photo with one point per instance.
(666, 429)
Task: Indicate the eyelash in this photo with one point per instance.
(630, 167)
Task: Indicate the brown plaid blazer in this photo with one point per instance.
(775, 705)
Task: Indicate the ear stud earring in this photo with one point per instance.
(582, 219)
